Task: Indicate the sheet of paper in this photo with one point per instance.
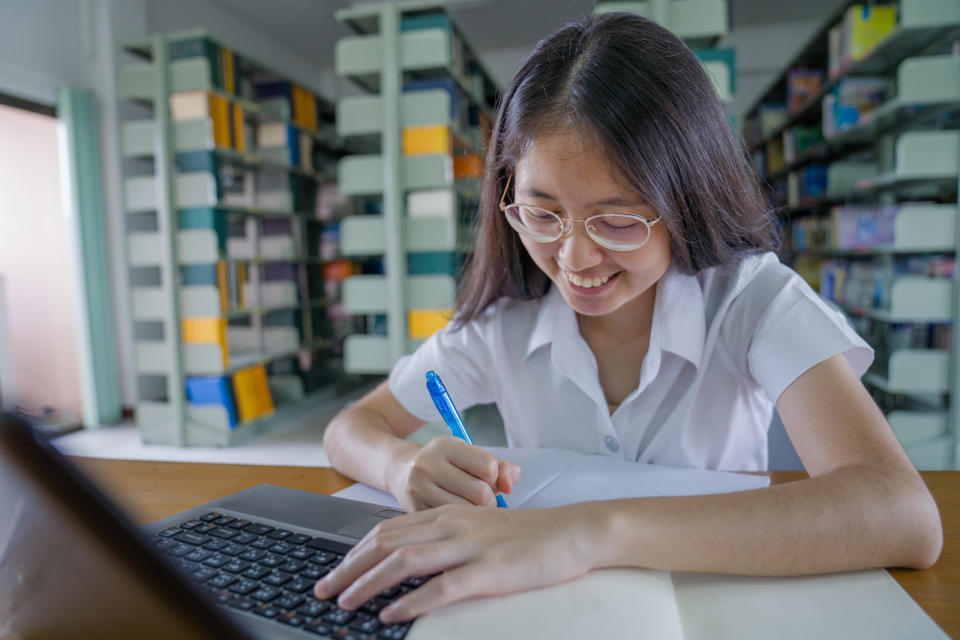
(553, 477)
(862, 604)
(598, 477)
(609, 603)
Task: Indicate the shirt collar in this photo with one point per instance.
(678, 309)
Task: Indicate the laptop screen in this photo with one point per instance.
(72, 566)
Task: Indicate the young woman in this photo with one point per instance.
(623, 300)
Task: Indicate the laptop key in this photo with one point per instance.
(338, 616)
(179, 549)
(205, 528)
(233, 549)
(236, 566)
(241, 603)
(255, 572)
(198, 555)
(239, 524)
(266, 594)
(300, 585)
(224, 520)
(215, 544)
(302, 553)
(291, 619)
(292, 566)
(395, 631)
(252, 555)
(288, 601)
(262, 543)
(365, 624)
(271, 560)
(190, 524)
(298, 539)
(318, 627)
(266, 611)
(314, 608)
(191, 538)
(164, 543)
(280, 534)
(244, 586)
(258, 529)
(203, 574)
(213, 515)
(281, 547)
(225, 532)
(374, 605)
(169, 533)
(314, 573)
(222, 581)
(245, 538)
(217, 560)
(277, 578)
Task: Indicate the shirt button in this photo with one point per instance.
(612, 443)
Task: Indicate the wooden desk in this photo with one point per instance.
(153, 490)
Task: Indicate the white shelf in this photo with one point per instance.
(366, 235)
(914, 299)
(370, 354)
(368, 294)
(915, 371)
(362, 175)
(363, 115)
(688, 19)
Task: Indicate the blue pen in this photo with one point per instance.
(448, 411)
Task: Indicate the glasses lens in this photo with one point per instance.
(537, 224)
(618, 231)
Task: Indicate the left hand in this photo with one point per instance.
(481, 551)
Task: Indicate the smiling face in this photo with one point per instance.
(565, 174)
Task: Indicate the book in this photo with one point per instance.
(642, 603)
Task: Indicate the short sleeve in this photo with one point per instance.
(461, 358)
(797, 331)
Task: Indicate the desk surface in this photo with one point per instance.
(153, 490)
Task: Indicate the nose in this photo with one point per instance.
(578, 251)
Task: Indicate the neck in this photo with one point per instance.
(630, 322)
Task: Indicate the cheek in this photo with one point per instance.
(540, 253)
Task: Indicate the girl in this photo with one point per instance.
(623, 300)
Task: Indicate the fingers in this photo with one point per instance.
(472, 459)
(508, 477)
(454, 585)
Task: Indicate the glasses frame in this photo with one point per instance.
(566, 224)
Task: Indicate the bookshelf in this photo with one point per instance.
(859, 143)
(423, 119)
(228, 172)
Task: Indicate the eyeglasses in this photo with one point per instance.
(614, 231)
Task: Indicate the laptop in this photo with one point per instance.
(242, 566)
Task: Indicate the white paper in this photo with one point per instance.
(608, 603)
(555, 477)
(862, 604)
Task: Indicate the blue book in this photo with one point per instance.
(213, 390)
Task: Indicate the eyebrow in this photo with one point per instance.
(618, 201)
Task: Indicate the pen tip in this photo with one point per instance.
(431, 374)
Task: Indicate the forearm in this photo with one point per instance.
(360, 444)
(851, 518)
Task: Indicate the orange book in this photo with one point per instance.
(467, 166)
(228, 71)
(222, 286)
(239, 141)
(426, 140)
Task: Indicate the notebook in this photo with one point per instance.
(637, 603)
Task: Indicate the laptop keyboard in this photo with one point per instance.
(254, 567)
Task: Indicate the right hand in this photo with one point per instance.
(447, 470)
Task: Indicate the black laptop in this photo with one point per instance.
(243, 566)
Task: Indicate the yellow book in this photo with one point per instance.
(423, 323)
(241, 285)
(239, 141)
(222, 286)
(228, 71)
(868, 27)
(425, 140)
(220, 113)
(206, 330)
(252, 393)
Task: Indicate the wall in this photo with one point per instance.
(35, 262)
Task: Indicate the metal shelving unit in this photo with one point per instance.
(904, 158)
(423, 82)
(180, 216)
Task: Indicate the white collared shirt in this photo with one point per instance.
(724, 344)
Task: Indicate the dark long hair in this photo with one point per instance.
(639, 93)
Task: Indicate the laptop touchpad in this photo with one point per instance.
(363, 526)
